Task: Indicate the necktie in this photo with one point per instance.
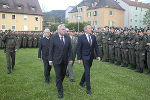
(62, 41)
(90, 40)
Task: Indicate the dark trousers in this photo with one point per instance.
(86, 75)
(47, 69)
(10, 58)
(60, 71)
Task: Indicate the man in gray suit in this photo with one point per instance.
(74, 39)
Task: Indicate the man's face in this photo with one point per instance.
(62, 30)
(88, 29)
(47, 33)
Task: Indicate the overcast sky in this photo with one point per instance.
(48, 5)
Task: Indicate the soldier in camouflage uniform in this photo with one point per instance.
(24, 40)
(140, 51)
(148, 50)
(11, 47)
(111, 40)
(30, 40)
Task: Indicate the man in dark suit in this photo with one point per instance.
(44, 47)
(60, 53)
(85, 52)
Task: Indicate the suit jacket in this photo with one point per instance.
(84, 50)
(44, 47)
(58, 53)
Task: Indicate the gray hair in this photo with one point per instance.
(85, 27)
(59, 26)
(46, 30)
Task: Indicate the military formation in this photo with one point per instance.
(125, 47)
(24, 39)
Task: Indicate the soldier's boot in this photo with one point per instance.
(118, 63)
(133, 67)
(111, 61)
(106, 60)
(126, 65)
(123, 65)
(12, 68)
(9, 71)
(141, 70)
(148, 72)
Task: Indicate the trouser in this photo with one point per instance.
(101, 51)
(60, 71)
(47, 69)
(148, 60)
(132, 60)
(125, 57)
(106, 51)
(10, 58)
(118, 54)
(69, 71)
(111, 53)
(140, 58)
(86, 75)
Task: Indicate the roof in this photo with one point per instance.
(100, 4)
(137, 4)
(26, 6)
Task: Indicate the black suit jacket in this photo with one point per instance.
(58, 53)
(84, 50)
(44, 47)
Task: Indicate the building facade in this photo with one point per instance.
(98, 13)
(20, 15)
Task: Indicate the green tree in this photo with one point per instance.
(52, 19)
(146, 19)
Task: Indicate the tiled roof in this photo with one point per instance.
(137, 4)
(26, 7)
(100, 4)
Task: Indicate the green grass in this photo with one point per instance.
(108, 82)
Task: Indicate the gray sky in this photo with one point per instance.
(48, 5)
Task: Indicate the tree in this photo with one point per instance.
(75, 26)
(146, 19)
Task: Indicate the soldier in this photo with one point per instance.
(124, 47)
(140, 52)
(99, 38)
(24, 40)
(69, 70)
(111, 40)
(0, 40)
(117, 48)
(30, 40)
(105, 45)
(11, 47)
(148, 50)
(131, 45)
(35, 41)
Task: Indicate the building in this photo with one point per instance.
(98, 13)
(67, 12)
(20, 15)
(134, 12)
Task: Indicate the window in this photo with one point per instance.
(3, 16)
(130, 20)
(33, 9)
(136, 15)
(25, 17)
(135, 20)
(19, 7)
(3, 26)
(13, 27)
(36, 18)
(110, 13)
(36, 28)
(81, 10)
(93, 22)
(95, 13)
(25, 28)
(4, 6)
(13, 16)
(73, 16)
(111, 23)
(96, 22)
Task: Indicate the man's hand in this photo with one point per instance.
(79, 61)
(39, 59)
(50, 63)
(98, 58)
(70, 62)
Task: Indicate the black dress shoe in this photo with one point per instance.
(47, 81)
(82, 85)
(12, 68)
(9, 71)
(60, 95)
(89, 92)
(72, 80)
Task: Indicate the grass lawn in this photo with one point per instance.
(108, 82)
